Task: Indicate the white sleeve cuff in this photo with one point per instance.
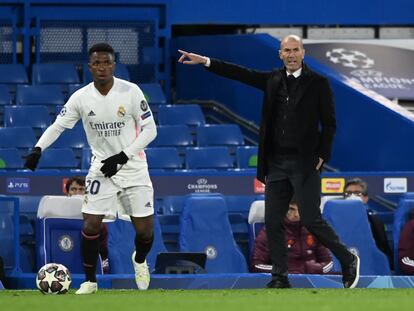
(208, 62)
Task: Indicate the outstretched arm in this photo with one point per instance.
(192, 58)
(248, 76)
(49, 137)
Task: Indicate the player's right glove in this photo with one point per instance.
(33, 158)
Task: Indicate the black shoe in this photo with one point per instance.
(350, 273)
(279, 283)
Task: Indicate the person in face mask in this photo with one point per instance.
(357, 189)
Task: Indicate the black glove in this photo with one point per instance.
(110, 167)
(33, 158)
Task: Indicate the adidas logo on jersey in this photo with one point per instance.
(148, 204)
(91, 114)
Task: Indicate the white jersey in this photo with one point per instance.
(112, 123)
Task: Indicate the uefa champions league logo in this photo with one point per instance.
(350, 58)
(362, 70)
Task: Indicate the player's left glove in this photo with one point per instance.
(110, 167)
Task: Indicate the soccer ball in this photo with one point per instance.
(53, 278)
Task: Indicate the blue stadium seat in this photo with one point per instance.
(121, 246)
(163, 158)
(54, 73)
(208, 158)
(72, 88)
(5, 100)
(121, 72)
(408, 195)
(172, 135)
(219, 135)
(35, 116)
(171, 204)
(27, 245)
(86, 158)
(60, 158)
(153, 93)
(401, 217)
(191, 115)
(74, 138)
(205, 227)
(350, 221)
(5, 96)
(17, 137)
(10, 158)
(256, 221)
(240, 229)
(246, 156)
(58, 232)
(49, 95)
(16, 74)
(170, 228)
(7, 238)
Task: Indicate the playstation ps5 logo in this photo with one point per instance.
(18, 185)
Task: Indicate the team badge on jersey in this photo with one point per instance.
(144, 105)
(121, 111)
(62, 112)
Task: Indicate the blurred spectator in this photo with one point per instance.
(357, 189)
(406, 247)
(76, 186)
(305, 253)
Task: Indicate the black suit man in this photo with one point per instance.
(296, 134)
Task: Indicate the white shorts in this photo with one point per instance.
(104, 197)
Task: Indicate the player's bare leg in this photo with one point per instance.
(143, 242)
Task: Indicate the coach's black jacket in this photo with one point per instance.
(315, 111)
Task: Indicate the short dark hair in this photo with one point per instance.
(80, 180)
(358, 182)
(101, 47)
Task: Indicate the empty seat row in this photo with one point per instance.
(38, 118)
(53, 94)
(201, 158)
(207, 135)
(168, 158)
(53, 73)
(158, 158)
(52, 158)
(24, 137)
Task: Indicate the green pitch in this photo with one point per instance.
(213, 300)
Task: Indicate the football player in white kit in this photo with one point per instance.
(119, 125)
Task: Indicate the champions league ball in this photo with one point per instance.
(350, 58)
(53, 278)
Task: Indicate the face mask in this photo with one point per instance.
(354, 197)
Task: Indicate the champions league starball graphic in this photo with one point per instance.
(350, 58)
(384, 69)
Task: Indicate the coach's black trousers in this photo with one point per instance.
(285, 179)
